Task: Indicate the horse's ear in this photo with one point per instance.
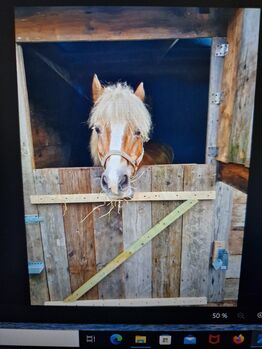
(140, 92)
(97, 88)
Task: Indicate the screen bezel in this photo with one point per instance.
(14, 276)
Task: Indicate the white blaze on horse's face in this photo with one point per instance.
(116, 177)
(120, 150)
(120, 123)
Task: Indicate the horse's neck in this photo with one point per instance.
(157, 154)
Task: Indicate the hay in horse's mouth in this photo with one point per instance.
(113, 204)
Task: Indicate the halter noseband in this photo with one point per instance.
(124, 155)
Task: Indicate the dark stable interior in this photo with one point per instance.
(59, 76)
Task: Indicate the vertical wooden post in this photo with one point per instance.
(80, 241)
(238, 85)
(53, 234)
(215, 80)
(136, 221)
(38, 283)
(166, 248)
(220, 231)
(108, 234)
(197, 234)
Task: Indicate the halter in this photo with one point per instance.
(124, 155)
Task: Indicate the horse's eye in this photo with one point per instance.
(137, 133)
(97, 129)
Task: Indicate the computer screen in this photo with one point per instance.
(131, 164)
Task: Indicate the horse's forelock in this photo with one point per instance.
(118, 103)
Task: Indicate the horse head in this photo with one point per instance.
(120, 125)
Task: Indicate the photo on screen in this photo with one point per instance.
(136, 132)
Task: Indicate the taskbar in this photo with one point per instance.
(198, 339)
(134, 336)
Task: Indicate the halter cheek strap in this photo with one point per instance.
(124, 155)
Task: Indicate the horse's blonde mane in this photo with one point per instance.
(117, 104)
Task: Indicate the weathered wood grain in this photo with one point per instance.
(239, 210)
(135, 302)
(228, 85)
(239, 216)
(197, 233)
(231, 289)
(239, 82)
(52, 24)
(53, 235)
(132, 249)
(136, 221)
(166, 248)
(38, 283)
(215, 81)
(239, 197)
(79, 236)
(236, 235)
(220, 231)
(174, 273)
(235, 242)
(234, 267)
(108, 232)
(241, 135)
(138, 196)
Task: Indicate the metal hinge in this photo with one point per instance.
(33, 219)
(221, 50)
(219, 256)
(212, 151)
(217, 98)
(35, 267)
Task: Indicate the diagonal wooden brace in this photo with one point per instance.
(132, 249)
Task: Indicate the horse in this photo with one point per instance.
(121, 126)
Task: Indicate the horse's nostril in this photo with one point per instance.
(123, 182)
(104, 182)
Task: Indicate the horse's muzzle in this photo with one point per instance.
(117, 188)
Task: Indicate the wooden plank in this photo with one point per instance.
(135, 302)
(234, 266)
(235, 242)
(235, 175)
(138, 196)
(53, 235)
(239, 82)
(220, 231)
(239, 216)
(38, 283)
(79, 236)
(136, 221)
(241, 135)
(239, 197)
(228, 85)
(166, 248)
(215, 81)
(227, 303)
(196, 238)
(132, 249)
(90, 23)
(231, 289)
(108, 232)
(236, 235)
